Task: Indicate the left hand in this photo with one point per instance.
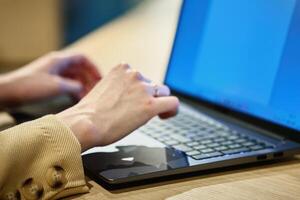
(54, 74)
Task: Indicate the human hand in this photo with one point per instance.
(51, 75)
(123, 101)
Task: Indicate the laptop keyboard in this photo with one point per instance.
(201, 138)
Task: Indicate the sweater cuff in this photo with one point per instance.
(43, 154)
(67, 155)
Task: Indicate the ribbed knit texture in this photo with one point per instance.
(30, 149)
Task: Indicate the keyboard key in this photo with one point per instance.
(227, 142)
(233, 137)
(193, 153)
(221, 148)
(213, 145)
(210, 136)
(181, 138)
(224, 134)
(241, 140)
(199, 137)
(200, 146)
(219, 139)
(234, 146)
(207, 150)
(247, 144)
(205, 141)
(207, 155)
(182, 147)
(163, 138)
(235, 151)
(191, 134)
(192, 144)
(171, 142)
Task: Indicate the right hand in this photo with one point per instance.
(122, 102)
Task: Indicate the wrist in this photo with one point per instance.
(81, 126)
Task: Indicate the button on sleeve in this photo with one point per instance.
(56, 177)
(32, 190)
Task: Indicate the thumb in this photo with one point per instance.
(69, 86)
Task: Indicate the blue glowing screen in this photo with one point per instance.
(241, 54)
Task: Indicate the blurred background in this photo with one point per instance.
(32, 28)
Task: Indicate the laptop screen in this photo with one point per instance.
(241, 54)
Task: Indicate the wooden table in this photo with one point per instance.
(143, 38)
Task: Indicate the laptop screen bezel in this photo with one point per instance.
(248, 118)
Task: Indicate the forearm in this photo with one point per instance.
(7, 90)
(14, 89)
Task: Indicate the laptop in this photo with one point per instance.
(235, 65)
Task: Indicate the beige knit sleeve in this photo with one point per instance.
(40, 160)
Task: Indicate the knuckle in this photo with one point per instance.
(123, 66)
(135, 75)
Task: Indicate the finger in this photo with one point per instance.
(88, 74)
(91, 68)
(69, 61)
(168, 114)
(158, 90)
(123, 67)
(166, 105)
(146, 80)
(69, 86)
(81, 69)
(140, 76)
(63, 61)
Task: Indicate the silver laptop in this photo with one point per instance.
(236, 67)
